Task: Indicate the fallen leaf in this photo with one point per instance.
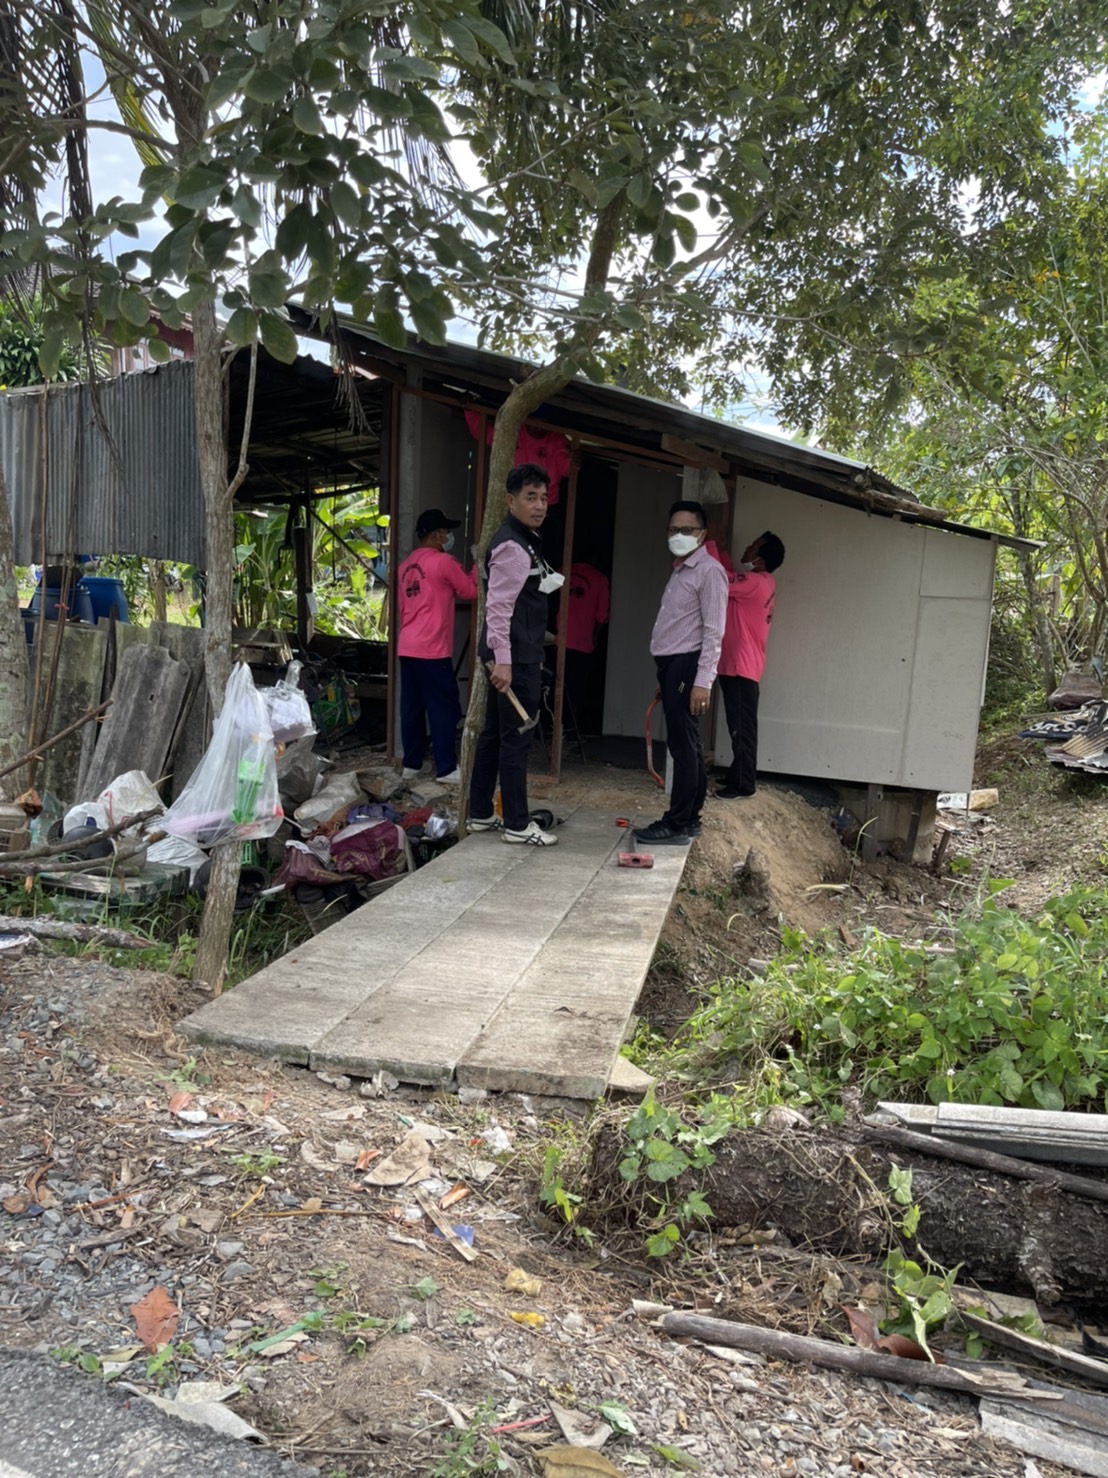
(457, 1192)
(410, 1161)
(179, 1101)
(156, 1318)
(524, 1316)
(863, 1326)
(518, 1281)
(907, 1349)
(574, 1462)
(366, 1159)
(580, 1428)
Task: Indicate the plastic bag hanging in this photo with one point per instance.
(232, 794)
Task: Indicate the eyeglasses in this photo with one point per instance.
(683, 528)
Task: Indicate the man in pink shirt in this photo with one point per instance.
(750, 594)
(427, 585)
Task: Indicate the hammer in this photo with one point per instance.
(528, 721)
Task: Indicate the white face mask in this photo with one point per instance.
(550, 582)
(448, 542)
(682, 544)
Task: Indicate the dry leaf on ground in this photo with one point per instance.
(156, 1318)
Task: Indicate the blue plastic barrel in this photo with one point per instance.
(105, 592)
(79, 606)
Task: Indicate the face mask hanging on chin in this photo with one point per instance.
(550, 582)
(682, 544)
(448, 542)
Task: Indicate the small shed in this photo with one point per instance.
(880, 637)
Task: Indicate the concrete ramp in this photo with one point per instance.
(510, 968)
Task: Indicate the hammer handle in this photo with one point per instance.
(517, 705)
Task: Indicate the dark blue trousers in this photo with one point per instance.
(429, 696)
(502, 750)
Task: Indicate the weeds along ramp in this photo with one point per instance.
(510, 968)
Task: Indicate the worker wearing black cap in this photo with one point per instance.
(428, 583)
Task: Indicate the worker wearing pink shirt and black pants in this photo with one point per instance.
(685, 645)
(428, 583)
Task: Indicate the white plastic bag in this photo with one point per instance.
(232, 794)
(290, 715)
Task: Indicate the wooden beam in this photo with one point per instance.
(692, 454)
(563, 617)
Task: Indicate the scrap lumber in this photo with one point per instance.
(1026, 1134)
(965, 1154)
(1072, 1431)
(39, 749)
(83, 933)
(777, 1344)
(150, 688)
(437, 1219)
(1094, 1371)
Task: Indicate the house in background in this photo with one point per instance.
(881, 630)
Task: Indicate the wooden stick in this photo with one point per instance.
(63, 734)
(83, 933)
(55, 849)
(109, 865)
(968, 1154)
(434, 1215)
(1089, 1369)
(780, 1346)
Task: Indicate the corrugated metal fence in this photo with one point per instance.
(135, 490)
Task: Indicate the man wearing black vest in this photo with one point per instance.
(517, 583)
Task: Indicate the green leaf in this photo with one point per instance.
(200, 186)
(292, 233)
(686, 232)
(133, 307)
(426, 1288)
(583, 185)
(678, 1459)
(242, 327)
(247, 206)
(493, 37)
(462, 39)
(267, 85)
(428, 324)
(638, 190)
(629, 317)
(159, 351)
(347, 204)
(618, 1418)
(278, 338)
(306, 116)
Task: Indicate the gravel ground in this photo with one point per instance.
(129, 1166)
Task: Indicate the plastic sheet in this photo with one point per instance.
(232, 794)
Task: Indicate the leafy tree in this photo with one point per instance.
(297, 145)
(755, 184)
(994, 403)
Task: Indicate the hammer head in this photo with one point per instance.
(528, 724)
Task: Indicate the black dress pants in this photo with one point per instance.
(502, 750)
(676, 678)
(740, 703)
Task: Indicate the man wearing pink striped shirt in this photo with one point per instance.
(685, 645)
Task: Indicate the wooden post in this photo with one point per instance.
(480, 476)
(387, 494)
(563, 614)
(875, 794)
(302, 559)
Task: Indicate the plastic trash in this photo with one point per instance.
(232, 794)
(290, 714)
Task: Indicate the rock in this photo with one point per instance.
(626, 1078)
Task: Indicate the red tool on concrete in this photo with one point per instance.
(636, 859)
(650, 770)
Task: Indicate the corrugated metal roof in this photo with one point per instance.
(125, 481)
(609, 409)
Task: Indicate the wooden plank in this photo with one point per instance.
(1072, 1431)
(694, 455)
(194, 727)
(77, 684)
(559, 1029)
(1089, 1369)
(149, 691)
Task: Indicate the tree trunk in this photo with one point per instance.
(13, 660)
(1040, 626)
(157, 588)
(523, 400)
(827, 1190)
(215, 925)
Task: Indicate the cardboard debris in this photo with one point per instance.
(409, 1162)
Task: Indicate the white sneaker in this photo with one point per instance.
(454, 778)
(532, 835)
(484, 823)
(409, 774)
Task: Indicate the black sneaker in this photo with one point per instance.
(693, 829)
(731, 793)
(661, 833)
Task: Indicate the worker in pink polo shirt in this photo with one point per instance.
(750, 594)
(427, 584)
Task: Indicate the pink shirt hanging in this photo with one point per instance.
(547, 449)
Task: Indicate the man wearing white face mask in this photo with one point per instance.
(685, 645)
(518, 581)
(427, 585)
